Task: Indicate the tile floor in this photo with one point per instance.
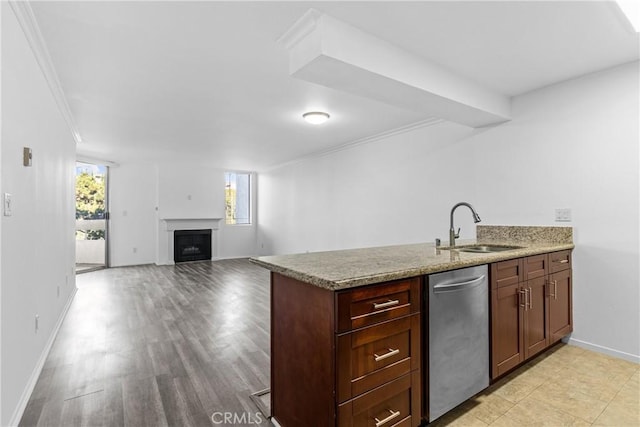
(567, 386)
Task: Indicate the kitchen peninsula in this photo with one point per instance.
(348, 343)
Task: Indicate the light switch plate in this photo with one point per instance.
(563, 215)
(7, 204)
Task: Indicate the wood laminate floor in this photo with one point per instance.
(174, 345)
(158, 346)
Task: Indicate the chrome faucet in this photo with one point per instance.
(453, 235)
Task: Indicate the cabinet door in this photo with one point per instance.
(560, 305)
(506, 329)
(536, 332)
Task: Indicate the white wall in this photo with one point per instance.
(178, 191)
(132, 206)
(574, 145)
(190, 191)
(392, 191)
(1, 195)
(38, 239)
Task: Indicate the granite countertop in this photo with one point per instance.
(342, 269)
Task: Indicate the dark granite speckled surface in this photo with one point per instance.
(335, 270)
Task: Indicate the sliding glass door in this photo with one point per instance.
(91, 217)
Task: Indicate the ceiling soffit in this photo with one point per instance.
(327, 51)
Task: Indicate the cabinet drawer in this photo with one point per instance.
(368, 305)
(370, 357)
(559, 261)
(394, 404)
(506, 273)
(535, 266)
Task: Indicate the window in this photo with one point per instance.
(237, 197)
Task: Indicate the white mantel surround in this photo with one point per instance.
(168, 225)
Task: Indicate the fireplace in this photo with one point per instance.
(191, 245)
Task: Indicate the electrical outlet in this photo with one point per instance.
(7, 204)
(135, 250)
(563, 215)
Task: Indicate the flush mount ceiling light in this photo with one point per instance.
(316, 117)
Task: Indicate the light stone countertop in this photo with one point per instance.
(342, 269)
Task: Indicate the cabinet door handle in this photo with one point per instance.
(394, 414)
(555, 290)
(390, 303)
(522, 292)
(561, 261)
(388, 354)
(530, 299)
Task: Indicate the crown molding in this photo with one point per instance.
(27, 20)
(432, 121)
(303, 26)
(95, 161)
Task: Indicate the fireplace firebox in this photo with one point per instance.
(191, 245)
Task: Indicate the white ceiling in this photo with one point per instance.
(207, 81)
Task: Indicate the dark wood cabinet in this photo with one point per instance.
(507, 347)
(393, 404)
(354, 357)
(560, 305)
(536, 332)
(560, 284)
(531, 307)
(346, 358)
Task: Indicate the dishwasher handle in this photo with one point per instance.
(458, 286)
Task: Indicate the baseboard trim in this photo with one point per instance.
(31, 384)
(605, 350)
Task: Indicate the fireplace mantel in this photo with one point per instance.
(165, 235)
(172, 224)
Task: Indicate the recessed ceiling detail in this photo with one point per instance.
(327, 51)
(162, 82)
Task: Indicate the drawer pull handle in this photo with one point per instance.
(523, 292)
(393, 415)
(561, 261)
(390, 353)
(390, 303)
(555, 290)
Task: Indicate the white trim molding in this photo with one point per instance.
(35, 374)
(95, 161)
(431, 121)
(604, 350)
(26, 18)
(300, 29)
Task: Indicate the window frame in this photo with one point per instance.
(250, 199)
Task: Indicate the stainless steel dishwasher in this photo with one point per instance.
(458, 307)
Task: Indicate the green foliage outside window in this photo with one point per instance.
(90, 203)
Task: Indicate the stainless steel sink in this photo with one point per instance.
(486, 248)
